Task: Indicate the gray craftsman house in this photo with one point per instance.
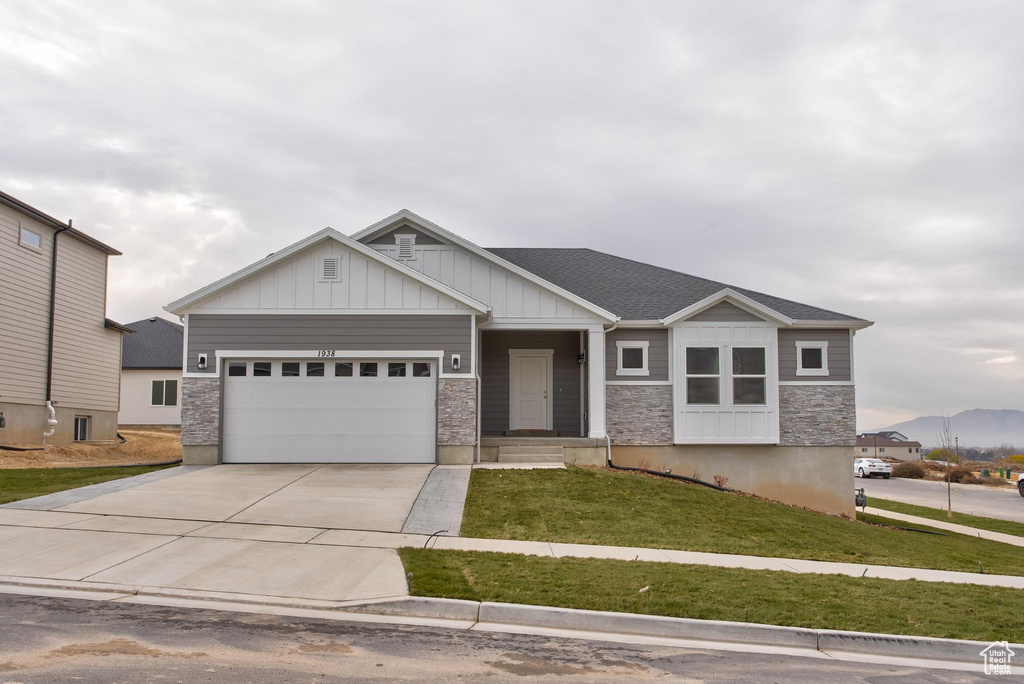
(406, 343)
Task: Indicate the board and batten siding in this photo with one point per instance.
(508, 295)
(839, 352)
(25, 313)
(494, 377)
(309, 332)
(724, 312)
(295, 283)
(657, 353)
(86, 355)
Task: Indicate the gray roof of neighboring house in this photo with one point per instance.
(156, 344)
(634, 290)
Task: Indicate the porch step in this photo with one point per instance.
(531, 433)
(530, 454)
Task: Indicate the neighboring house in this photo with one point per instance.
(887, 445)
(151, 374)
(58, 347)
(372, 348)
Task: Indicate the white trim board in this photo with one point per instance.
(438, 232)
(638, 382)
(733, 297)
(632, 344)
(180, 305)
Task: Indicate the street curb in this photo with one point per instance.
(569, 619)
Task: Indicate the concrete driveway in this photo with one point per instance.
(1005, 504)
(348, 497)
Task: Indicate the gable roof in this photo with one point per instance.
(639, 291)
(370, 233)
(156, 344)
(878, 440)
(46, 219)
(327, 233)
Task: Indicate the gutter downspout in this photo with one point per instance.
(51, 422)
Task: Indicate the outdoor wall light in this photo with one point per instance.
(202, 362)
(456, 362)
(582, 358)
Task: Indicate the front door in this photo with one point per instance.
(530, 387)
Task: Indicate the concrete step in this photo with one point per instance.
(531, 433)
(530, 449)
(530, 454)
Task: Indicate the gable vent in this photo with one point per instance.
(405, 243)
(330, 268)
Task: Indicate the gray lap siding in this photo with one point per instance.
(208, 333)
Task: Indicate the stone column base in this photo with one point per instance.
(208, 454)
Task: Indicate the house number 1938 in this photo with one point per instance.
(325, 353)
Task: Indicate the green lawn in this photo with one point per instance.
(592, 506)
(711, 593)
(990, 524)
(24, 483)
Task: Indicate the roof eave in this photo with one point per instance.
(728, 295)
(50, 221)
(114, 325)
(851, 323)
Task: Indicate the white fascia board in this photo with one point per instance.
(180, 305)
(855, 324)
(439, 232)
(653, 323)
(732, 296)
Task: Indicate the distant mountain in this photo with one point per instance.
(975, 428)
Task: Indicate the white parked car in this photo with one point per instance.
(869, 467)
(1020, 484)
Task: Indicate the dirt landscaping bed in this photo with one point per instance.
(142, 446)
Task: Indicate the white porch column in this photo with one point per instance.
(595, 377)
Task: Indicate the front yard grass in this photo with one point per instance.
(980, 522)
(769, 597)
(24, 483)
(595, 506)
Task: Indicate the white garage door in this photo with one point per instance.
(359, 411)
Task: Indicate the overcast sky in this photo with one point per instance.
(865, 157)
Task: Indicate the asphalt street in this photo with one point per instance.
(72, 640)
(990, 502)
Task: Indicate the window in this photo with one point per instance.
(749, 376)
(236, 369)
(343, 370)
(330, 268)
(881, 450)
(368, 370)
(290, 370)
(812, 358)
(863, 450)
(917, 450)
(261, 369)
(81, 428)
(315, 369)
(405, 243)
(632, 355)
(702, 375)
(396, 370)
(164, 393)
(30, 239)
(421, 370)
(910, 450)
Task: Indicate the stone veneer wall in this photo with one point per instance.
(456, 412)
(817, 415)
(200, 411)
(639, 415)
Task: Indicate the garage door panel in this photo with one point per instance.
(329, 419)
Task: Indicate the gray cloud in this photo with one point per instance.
(861, 156)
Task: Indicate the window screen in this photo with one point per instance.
(632, 358)
(812, 358)
(157, 396)
(702, 375)
(170, 393)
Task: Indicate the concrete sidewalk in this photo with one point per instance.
(948, 526)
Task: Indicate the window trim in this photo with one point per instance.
(687, 375)
(163, 393)
(88, 429)
(28, 245)
(761, 376)
(809, 344)
(645, 370)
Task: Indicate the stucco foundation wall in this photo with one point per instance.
(639, 414)
(200, 411)
(816, 477)
(25, 424)
(456, 412)
(817, 415)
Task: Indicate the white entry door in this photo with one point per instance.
(351, 411)
(530, 396)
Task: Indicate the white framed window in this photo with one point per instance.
(812, 358)
(82, 428)
(632, 357)
(164, 393)
(405, 244)
(863, 450)
(703, 376)
(881, 450)
(749, 376)
(330, 268)
(31, 239)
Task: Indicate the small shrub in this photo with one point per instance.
(939, 455)
(1016, 458)
(720, 480)
(960, 474)
(643, 464)
(908, 469)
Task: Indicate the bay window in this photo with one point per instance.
(749, 376)
(703, 375)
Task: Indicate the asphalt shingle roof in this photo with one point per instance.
(156, 344)
(634, 290)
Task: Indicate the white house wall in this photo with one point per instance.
(508, 295)
(295, 284)
(137, 395)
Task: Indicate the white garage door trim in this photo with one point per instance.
(390, 417)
